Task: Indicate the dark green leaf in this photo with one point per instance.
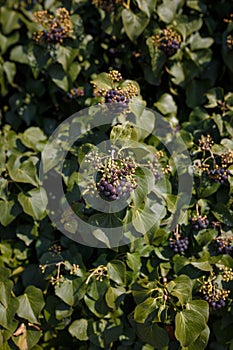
(30, 304)
(134, 24)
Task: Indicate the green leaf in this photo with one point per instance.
(166, 104)
(195, 92)
(199, 306)
(112, 295)
(34, 203)
(103, 81)
(117, 271)
(5, 292)
(8, 312)
(188, 326)
(158, 59)
(167, 9)
(202, 265)
(218, 121)
(198, 43)
(71, 291)
(147, 6)
(10, 71)
(134, 261)
(205, 237)
(34, 138)
(153, 334)
(178, 74)
(208, 190)
(6, 212)
(181, 287)
(9, 20)
(74, 70)
(134, 24)
(6, 42)
(223, 214)
(59, 77)
(145, 181)
(22, 171)
(144, 219)
(144, 309)
(78, 329)
(65, 56)
(19, 54)
(202, 341)
(30, 304)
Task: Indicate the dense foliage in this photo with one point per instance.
(170, 286)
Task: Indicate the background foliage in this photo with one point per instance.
(58, 294)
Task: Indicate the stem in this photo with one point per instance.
(197, 210)
(126, 4)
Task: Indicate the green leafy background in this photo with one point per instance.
(56, 293)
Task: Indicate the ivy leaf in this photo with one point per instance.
(198, 43)
(19, 54)
(134, 24)
(7, 313)
(146, 6)
(30, 304)
(112, 295)
(158, 59)
(78, 329)
(9, 20)
(10, 71)
(59, 77)
(5, 292)
(181, 287)
(167, 9)
(34, 203)
(199, 306)
(33, 138)
(201, 342)
(144, 309)
(166, 104)
(223, 214)
(103, 81)
(144, 219)
(188, 326)
(22, 171)
(71, 291)
(153, 334)
(117, 271)
(6, 212)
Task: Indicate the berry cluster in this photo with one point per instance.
(215, 301)
(227, 158)
(115, 76)
(75, 92)
(55, 29)
(212, 290)
(205, 142)
(179, 245)
(156, 167)
(218, 175)
(199, 222)
(118, 179)
(168, 41)
(223, 245)
(116, 95)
